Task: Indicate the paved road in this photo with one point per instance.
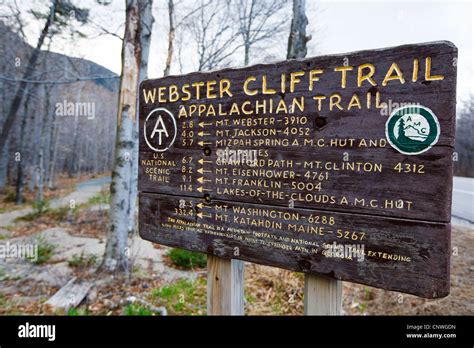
(104, 180)
(463, 199)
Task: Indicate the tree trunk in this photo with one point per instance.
(171, 34)
(39, 172)
(22, 151)
(75, 155)
(53, 152)
(116, 255)
(52, 166)
(247, 53)
(46, 135)
(297, 39)
(4, 154)
(32, 178)
(7, 125)
(4, 158)
(147, 20)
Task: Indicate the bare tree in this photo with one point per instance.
(4, 154)
(40, 169)
(56, 20)
(297, 39)
(116, 258)
(258, 20)
(145, 40)
(179, 42)
(214, 34)
(21, 148)
(171, 36)
(175, 23)
(53, 151)
(21, 165)
(17, 19)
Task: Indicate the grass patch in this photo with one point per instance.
(41, 206)
(187, 259)
(29, 217)
(3, 276)
(102, 198)
(184, 297)
(249, 296)
(82, 261)
(133, 309)
(43, 210)
(39, 209)
(59, 214)
(45, 251)
(75, 312)
(10, 195)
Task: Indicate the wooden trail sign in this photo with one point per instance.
(338, 165)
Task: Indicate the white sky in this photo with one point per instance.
(336, 27)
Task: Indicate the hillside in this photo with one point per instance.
(81, 140)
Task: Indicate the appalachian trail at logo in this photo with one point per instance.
(160, 130)
(412, 130)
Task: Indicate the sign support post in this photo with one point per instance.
(322, 295)
(225, 286)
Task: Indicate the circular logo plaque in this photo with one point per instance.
(160, 130)
(412, 130)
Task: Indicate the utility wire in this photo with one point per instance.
(78, 79)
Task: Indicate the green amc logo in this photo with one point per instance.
(412, 129)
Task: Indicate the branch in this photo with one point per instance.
(106, 31)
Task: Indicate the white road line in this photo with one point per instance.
(464, 191)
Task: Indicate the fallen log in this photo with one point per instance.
(70, 295)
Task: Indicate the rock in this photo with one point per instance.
(67, 246)
(110, 304)
(9, 290)
(54, 275)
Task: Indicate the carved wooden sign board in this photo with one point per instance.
(338, 165)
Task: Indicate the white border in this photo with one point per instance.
(413, 106)
(175, 129)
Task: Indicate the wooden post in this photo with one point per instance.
(322, 295)
(225, 286)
